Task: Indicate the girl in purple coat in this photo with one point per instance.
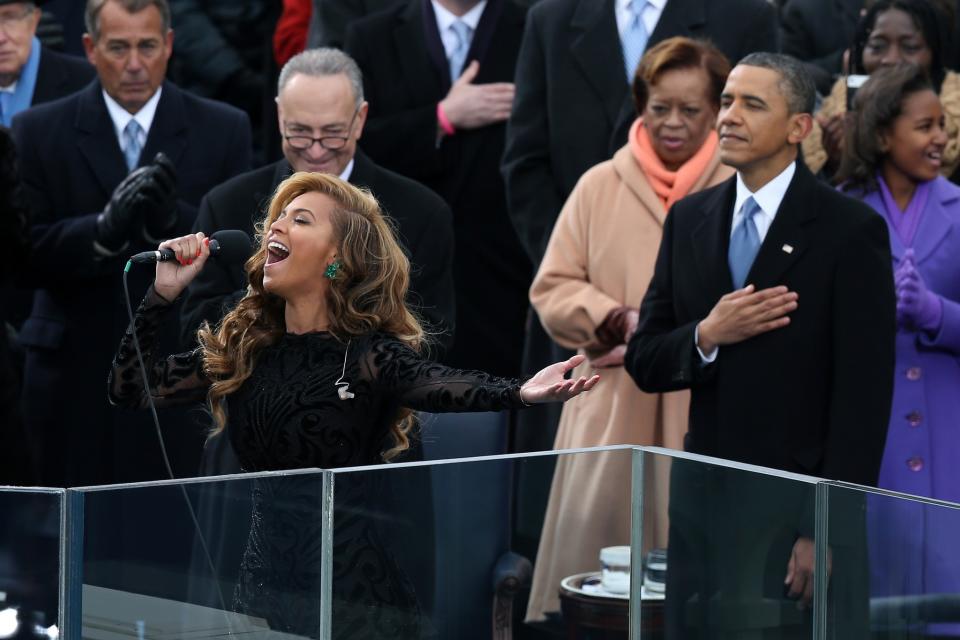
(892, 161)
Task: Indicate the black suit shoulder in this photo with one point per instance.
(401, 197)
(242, 200)
(244, 184)
(60, 75)
(688, 210)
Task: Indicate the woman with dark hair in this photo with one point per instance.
(892, 32)
(893, 160)
(588, 290)
(318, 365)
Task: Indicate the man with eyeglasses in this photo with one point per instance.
(29, 72)
(322, 113)
(110, 171)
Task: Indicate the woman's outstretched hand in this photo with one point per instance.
(549, 385)
(174, 276)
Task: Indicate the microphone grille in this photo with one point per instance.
(231, 245)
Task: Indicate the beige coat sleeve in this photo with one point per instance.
(569, 305)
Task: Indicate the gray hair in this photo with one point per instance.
(91, 16)
(318, 63)
(795, 81)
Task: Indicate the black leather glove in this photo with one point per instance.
(123, 212)
(159, 195)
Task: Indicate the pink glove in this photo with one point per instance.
(917, 306)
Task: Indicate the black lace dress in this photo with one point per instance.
(288, 415)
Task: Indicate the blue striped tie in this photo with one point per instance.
(131, 144)
(634, 38)
(744, 244)
(459, 55)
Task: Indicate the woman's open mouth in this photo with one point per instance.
(276, 252)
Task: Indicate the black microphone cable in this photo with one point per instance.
(163, 450)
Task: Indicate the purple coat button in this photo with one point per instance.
(915, 464)
(914, 418)
(913, 374)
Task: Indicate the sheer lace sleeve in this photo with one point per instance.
(176, 379)
(424, 385)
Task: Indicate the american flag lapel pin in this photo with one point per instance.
(788, 248)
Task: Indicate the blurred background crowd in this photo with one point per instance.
(528, 151)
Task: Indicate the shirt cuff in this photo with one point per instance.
(705, 358)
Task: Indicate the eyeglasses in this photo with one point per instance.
(330, 143)
(11, 22)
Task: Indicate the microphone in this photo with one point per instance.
(231, 245)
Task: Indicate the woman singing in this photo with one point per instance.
(317, 366)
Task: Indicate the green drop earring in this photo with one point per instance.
(332, 269)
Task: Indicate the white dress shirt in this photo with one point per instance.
(445, 19)
(768, 198)
(650, 15)
(121, 117)
(347, 170)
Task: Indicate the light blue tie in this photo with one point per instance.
(131, 144)
(459, 55)
(744, 244)
(634, 38)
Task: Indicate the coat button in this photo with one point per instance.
(913, 374)
(915, 464)
(914, 418)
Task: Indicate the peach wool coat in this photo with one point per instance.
(601, 255)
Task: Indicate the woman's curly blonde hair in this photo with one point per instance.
(367, 295)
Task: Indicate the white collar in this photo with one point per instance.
(656, 4)
(445, 18)
(10, 88)
(121, 117)
(770, 195)
(347, 170)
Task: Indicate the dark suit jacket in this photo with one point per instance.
(405, 74)
(423, 221)
(59, 75)
(71, 162)
(818, 32)
(813, 397)
(573, 104)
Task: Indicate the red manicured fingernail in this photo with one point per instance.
(206, 241)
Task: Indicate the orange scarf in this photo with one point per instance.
(669, 186)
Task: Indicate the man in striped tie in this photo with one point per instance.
(772, 301)
(98, 193)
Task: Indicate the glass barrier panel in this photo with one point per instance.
(723, 547)
(30, 569)
(424, 550)
(211, 558)
(895, 565)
